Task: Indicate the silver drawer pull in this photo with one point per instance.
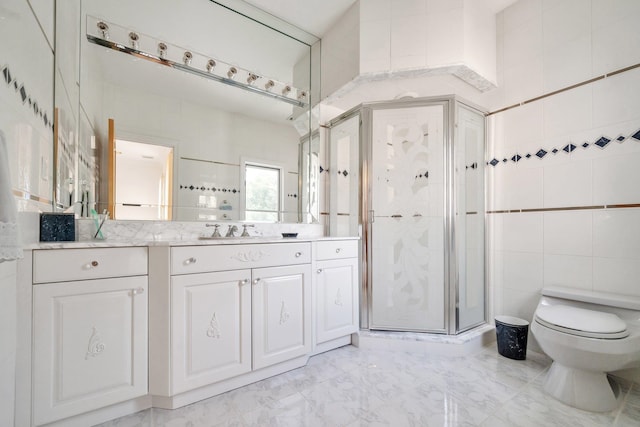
(244, 282)
(319, 271)
(191, 260)
(338, 250)
(138, 291)
(255, 281)
(298, 254)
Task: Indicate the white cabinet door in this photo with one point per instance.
(337, 298)
(210, 328)
(281, 314)
(90, 345)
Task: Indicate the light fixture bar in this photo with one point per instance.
(206, 73)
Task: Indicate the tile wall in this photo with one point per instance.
(563, 170)
(26, 118)
(26, 100)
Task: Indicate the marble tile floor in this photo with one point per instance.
(364, 387)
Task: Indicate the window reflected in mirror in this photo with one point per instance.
(262, 192)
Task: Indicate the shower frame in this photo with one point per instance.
(451, 301)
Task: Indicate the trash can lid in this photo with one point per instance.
(583, 322)
(512, 321)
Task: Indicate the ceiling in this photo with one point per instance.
(313, 16)
(317, 16)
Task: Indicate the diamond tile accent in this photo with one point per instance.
(7, 74)
(505, 160)
(23, 94)
(636, 135)
(620, 138)
(585, 144)
(494, 162)
(602, 142)
(528, 156)
(516, 158)
(541, 153)
(569, 148)
(555, 150)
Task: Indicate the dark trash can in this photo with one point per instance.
(511, 335)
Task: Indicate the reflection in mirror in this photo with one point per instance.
(212, 125)
(262, 191)
(150, 167)
(344, 143)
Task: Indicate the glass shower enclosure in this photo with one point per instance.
(420, 203)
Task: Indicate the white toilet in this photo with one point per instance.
(587, 334)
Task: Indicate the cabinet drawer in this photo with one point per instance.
(200, 259)
(332, 249)
(61, 265)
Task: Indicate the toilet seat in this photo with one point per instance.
(582, 322)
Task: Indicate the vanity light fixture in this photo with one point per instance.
(252, 78)
(103, 28)
(133, 39)
(162, 50)
(127, 41)
(187, 57)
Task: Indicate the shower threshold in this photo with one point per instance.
(465, 343)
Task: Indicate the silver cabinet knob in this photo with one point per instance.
(298, 254)
(255, 281)
(138, 291)
(244, 282)
(338, 250)
(319, 271)
(191, 260)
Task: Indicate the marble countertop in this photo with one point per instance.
(106, 243)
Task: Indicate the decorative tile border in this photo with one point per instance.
(567, 208)
(23, 93)
(569, 148)
(212, 189)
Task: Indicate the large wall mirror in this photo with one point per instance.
(191, 110)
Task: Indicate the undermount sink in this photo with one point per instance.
(230, 238)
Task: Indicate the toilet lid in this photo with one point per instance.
(582, 322)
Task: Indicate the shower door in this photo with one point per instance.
(406, 202)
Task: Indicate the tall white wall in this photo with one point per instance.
(340, 53)
(549, 226)
(26, 54)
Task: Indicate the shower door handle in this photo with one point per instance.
(372, 217)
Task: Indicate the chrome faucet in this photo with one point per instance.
(245, 233)
(232, 229)
(216, 232)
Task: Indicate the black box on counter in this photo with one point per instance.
(57, 227)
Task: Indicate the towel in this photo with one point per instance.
(10, 248)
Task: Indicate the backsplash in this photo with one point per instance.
(124, 231)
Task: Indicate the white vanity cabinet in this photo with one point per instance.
(281, 314)
(336, 292)
(219, 312)
(210, 328)
(89, 330)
